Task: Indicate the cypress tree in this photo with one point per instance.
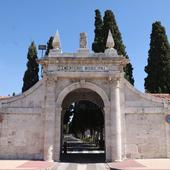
(84, 117)
(109, 23)
(158, 67)
(49, 45)
(97, 45)
(31, 74)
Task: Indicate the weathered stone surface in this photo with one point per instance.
(135, 127)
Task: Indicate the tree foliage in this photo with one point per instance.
(49, 45)
(99, 45)
(31, 74)
(85, 116)
(158, 67)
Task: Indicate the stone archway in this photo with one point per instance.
(88, 107)
(86, 85)
(106, 108)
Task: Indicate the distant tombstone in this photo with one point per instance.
(83, 40)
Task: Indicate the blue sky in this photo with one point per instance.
(22, 21)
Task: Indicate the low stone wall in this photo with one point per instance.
(146, 130)
(21, 136)
(21, 125)
(145, 136)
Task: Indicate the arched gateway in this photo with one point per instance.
(100, 73)
(81, 91)
(134, 123)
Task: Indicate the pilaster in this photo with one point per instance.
(58, 134)
(108, 146)
(49, 120)
(116, 120)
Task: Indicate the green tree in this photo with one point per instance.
(158, 67)
(86, 115)
(49, 45)
(109, 23)
(97, 45)
(31, 74)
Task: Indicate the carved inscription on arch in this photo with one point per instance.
(83, 68)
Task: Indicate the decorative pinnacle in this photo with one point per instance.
(110, 41)
(56, 41)
(83, 40)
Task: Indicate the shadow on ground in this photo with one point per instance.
(83, 158)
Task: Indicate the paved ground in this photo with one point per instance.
(27, 165)
(75, 144)
(139, 164)
(79, 151)
(142, 164)
(77, 166)
(41, 165)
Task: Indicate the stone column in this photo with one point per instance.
(116, 121)
(58, 135)
(107, 124)
(49, 120)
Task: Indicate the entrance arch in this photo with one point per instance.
(59, 102)
(85, 85)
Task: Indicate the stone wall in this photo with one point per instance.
(145, 126)
(21, 125)
(145, 136)
(30, 123)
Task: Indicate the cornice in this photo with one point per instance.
(83, 60)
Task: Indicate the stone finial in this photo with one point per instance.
(56, 41)
(83, 40)
(110, 50)
(110, 41)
